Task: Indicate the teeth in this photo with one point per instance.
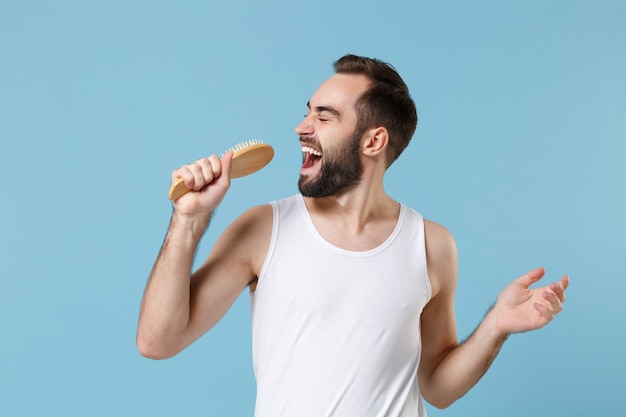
(307, 149)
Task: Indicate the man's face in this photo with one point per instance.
(329, 137)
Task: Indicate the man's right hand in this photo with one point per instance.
(208, 179)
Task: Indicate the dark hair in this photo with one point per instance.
(387, 102)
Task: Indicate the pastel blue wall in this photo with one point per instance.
(519, 151)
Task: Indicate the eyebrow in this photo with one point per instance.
(328, 109)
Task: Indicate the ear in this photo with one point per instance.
(375, 142)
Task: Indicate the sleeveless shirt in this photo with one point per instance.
(337, 332)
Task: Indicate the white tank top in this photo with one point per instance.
(337, 332)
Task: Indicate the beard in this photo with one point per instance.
(341, 170)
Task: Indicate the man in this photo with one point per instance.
(352, 292)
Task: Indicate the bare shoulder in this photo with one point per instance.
(441, 256)
(251, 229)
(438, 238)
(256, 217)
(246, 240)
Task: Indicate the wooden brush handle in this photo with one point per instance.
(177, 190)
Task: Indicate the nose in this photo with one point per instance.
(305, 127)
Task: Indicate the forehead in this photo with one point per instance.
(340, 91)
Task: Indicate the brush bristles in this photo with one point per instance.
(243, 145)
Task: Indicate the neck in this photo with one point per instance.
(364, 204)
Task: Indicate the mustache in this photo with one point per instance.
(309, 141)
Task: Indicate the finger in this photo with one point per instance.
(226, 165)
(185, 173)
(200, 170)
(216, 167)
(211, 169)
(544, 312)
(192, 174)
(554, 300)
(558, 290)
(531, 277)
(559, 287)
(204, 172)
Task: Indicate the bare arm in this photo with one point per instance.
(178, 306)
(165, 309)
(450, 369)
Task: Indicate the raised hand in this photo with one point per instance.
(520, 308)
(208, 179)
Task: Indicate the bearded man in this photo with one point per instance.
(352, 292)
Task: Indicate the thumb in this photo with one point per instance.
(227, 164)
(531, 277)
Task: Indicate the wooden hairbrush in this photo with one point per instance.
(248, 157)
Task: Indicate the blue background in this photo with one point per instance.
(519, 152)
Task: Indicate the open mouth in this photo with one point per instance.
(310, 156)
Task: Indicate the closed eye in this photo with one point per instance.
(322, 116)
(323, 113)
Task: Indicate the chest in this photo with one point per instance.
(357, 239)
